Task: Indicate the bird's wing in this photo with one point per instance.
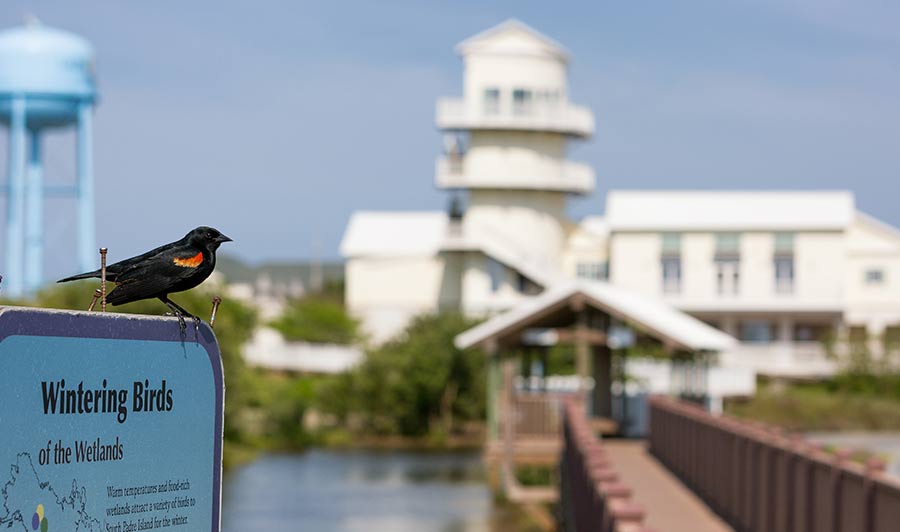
(164, 259)
(155, 275)
(126, 264)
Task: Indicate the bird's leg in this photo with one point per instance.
(179, 312)
(186, 314)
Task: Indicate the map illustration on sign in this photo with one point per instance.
(24, 488)
(109, 423)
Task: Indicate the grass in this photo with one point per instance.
(819, 407)
(536, 475)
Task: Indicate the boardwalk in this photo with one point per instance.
(671, 505)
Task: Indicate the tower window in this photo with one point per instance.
(522, 100)
(491, 101)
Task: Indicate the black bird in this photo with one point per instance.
(174, 267)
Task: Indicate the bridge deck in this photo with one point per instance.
(670, 505)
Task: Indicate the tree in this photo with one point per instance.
(318, 320)
(416, 383)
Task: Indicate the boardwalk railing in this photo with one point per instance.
(537, 415)
(762, 480)
(592, 499)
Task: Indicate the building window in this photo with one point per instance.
(728, 244)
(784, 275)
(492, 101)
(875, 276)
(671, 275)
(811, 332)
(728, 277)
(784, 263)
(671, 263)
(522, 100)
(757, 331)
(597, 271)
(497, 274)
(728, 263)
(526, 286)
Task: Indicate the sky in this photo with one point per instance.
(273, 121)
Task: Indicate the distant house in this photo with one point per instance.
(780, 271)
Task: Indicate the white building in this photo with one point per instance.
(777, 270)
(781, 271)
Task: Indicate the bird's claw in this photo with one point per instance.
(182, 326)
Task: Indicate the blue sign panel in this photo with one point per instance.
(108, 422)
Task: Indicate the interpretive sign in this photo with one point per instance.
(108, 422)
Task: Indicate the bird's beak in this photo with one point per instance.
(223, 238)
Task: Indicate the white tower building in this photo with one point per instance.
(508, 137)
(505, 148)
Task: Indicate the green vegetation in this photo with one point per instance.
(416, 385)
(317, 319)
(536, 475)
(838, 404)
(864, 395)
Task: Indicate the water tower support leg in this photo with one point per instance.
(86, 228)
(34, 200)
(15, 208)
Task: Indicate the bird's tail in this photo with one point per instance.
(87, 275)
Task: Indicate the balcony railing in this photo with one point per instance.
(572, 177)
(456, 113)
(783, 359)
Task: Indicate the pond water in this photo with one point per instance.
(363, 491)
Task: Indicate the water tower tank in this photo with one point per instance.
(46, 81)
(51, 68)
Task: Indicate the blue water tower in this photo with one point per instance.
(46, 81)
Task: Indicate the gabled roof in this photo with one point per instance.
(512, 37)
(871, 235)
(739, 210)
(394, 234)
(649, 315)
(422, 234)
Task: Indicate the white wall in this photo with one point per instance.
(819, 263)
(385, 292)
(634, 262)
(873, 247)
(508, 72)
(510, 155)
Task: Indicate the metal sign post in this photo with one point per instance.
(108, 422)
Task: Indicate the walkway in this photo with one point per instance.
(670, 505)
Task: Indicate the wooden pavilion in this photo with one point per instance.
(523, 422)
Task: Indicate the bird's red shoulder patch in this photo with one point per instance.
(190, 262)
